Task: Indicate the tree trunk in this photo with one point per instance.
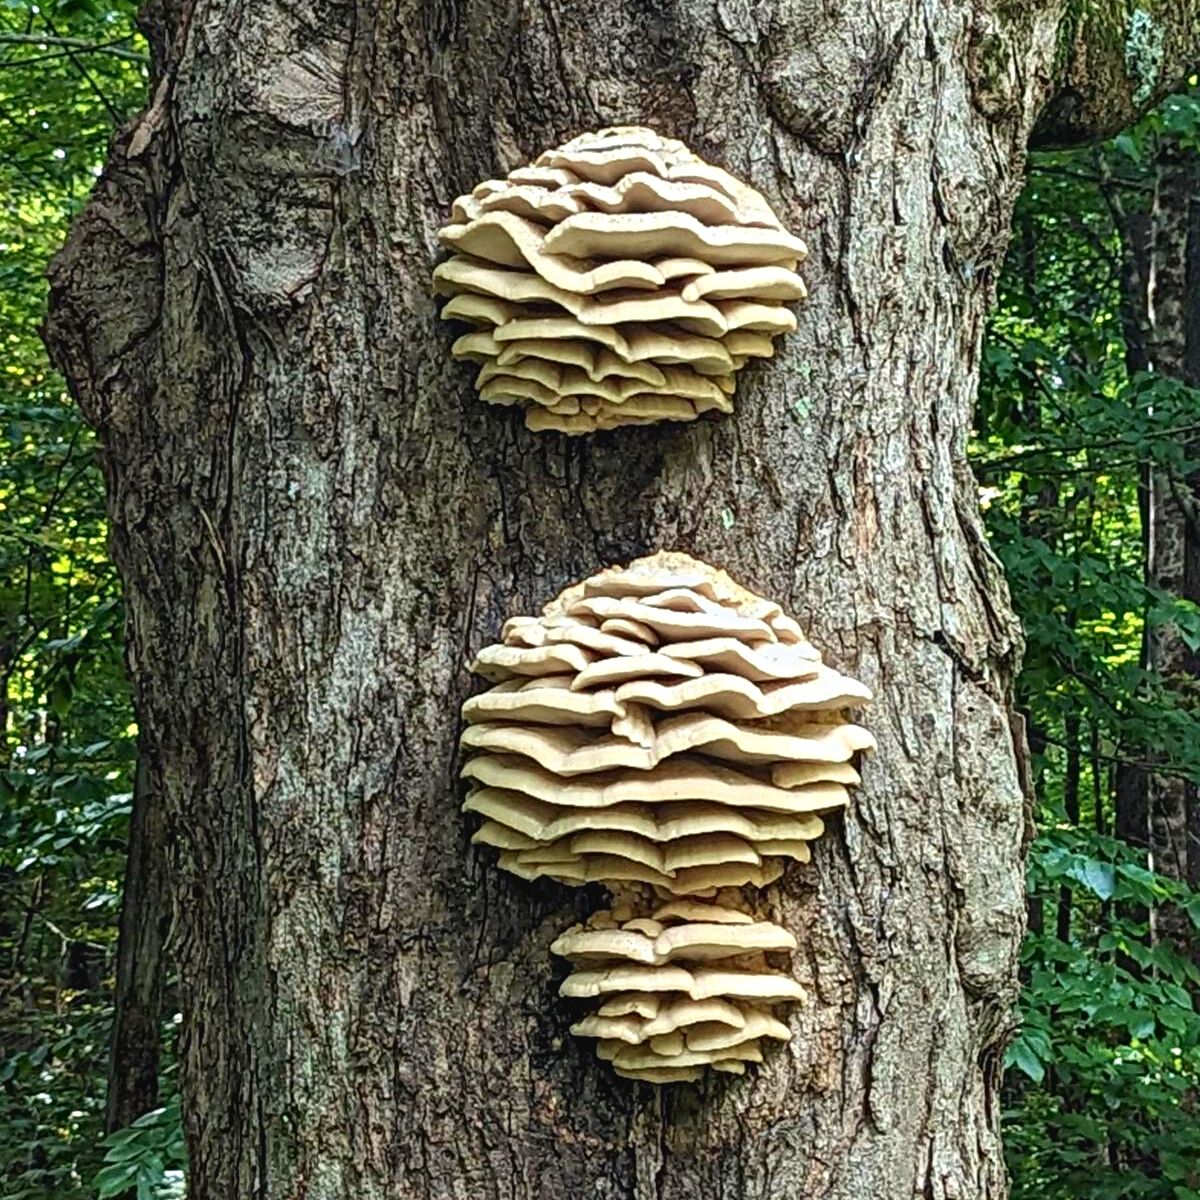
(137, 1021)
(317, 522)
(1131, 794)
(1173, 540)
(1071, 811)
(1191, 488)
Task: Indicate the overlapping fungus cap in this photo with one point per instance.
(686, 987)
(618, 280)
(658, 724)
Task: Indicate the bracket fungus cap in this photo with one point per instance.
(658, 724)
(626, 240)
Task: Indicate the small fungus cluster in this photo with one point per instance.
(618, 280)
(662, 731)
(685, 988)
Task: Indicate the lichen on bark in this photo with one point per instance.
(1144, 54)
(1118, 59)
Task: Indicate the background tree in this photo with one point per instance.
(1164, 301)
(1072, 424)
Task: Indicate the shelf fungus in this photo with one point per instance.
(658, 725)
(686, 987)
(618, 280)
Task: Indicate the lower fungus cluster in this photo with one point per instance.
(686, 987)
(662, 731)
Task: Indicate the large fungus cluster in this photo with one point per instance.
(617, 280)
(685, 988)
(659, 725)
(665, 732)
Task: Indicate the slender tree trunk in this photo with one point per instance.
(1160, 270)
(137, 1022)
(317, 522)
(1131, 797)
(1191, 488)
(1071, 811)
(1172, 537)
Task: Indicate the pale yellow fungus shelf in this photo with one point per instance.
(619, 280)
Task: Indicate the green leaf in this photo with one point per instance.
(1141, 1025)
(1099, 877)
(126, 1151)
(1022, 1056)
(1174, 1018)
(153, 1117)
(115, 1179)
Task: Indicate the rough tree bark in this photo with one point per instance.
(1172, 534)
(317, 522)
(138, 1001)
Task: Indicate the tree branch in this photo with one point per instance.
(77, 63)
(1119, 60)
(71, 43)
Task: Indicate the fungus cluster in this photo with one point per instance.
(662, 731)
(617, 280)
(685, 988)
(658, 725)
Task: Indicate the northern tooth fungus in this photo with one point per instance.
(617, 280)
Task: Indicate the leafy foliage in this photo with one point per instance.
(68, 71)
(1102, 1100)
(1110, 1042)
(145, 1159)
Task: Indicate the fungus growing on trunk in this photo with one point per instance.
(663, 731)
(660, 725)
(687, 987)
(619, 280)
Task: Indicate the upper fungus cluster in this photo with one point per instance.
(617, 280)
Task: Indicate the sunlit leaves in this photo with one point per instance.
(68, 72)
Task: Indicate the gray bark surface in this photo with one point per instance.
(317, 523)
(1173, 526)
(141, 968)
